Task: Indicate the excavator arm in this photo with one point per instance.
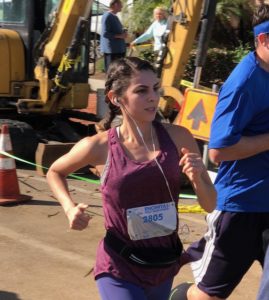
(183, 24)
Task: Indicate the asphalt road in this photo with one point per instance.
(42, 259)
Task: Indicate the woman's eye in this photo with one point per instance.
(156, 89)
(140, 91)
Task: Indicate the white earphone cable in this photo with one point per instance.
(154, 149)
(155, 159)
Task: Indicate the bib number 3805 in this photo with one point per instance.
(151, 221)
(153, 218)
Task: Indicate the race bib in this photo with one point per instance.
(151, 221)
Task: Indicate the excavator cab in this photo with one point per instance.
(35, 37)
(26, 19)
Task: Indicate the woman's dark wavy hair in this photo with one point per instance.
(119, 76)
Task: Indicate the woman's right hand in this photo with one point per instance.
(78, 218)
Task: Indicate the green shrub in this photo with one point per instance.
(147, 55)
(218, 66)
(240, 51)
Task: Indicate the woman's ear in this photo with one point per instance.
(113, 98)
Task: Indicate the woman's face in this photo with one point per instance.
(159, 15)
(142, 97)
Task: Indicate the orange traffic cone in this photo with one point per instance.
(9, 185)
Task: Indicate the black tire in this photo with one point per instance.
(23, 139)
(94, 51)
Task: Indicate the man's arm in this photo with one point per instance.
(148, 34)
(246, 147)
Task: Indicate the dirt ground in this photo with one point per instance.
(42, 259)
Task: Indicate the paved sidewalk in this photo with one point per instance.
(42, 259)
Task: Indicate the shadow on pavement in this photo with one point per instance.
(9, 296)
(32, 202)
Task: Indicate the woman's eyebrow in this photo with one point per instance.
(141, 85)
(147, 86)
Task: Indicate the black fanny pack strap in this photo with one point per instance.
(144, 257)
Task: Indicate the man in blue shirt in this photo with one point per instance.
(239, 143)
(113, 36)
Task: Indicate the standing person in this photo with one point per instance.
(240, 143)
(113, 35)
(155, 30)
(140, 162)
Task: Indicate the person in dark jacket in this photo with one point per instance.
(113, 35)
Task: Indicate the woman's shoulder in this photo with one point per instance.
(94, 147)
(180, 135)
(174, 129)
(98, 139)
(93, 143)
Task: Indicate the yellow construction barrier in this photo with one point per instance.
(191, 209)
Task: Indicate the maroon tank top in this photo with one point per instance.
(128, 184)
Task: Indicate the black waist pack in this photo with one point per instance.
(153, 257)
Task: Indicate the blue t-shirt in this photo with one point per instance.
(242, 110)
(111, 26)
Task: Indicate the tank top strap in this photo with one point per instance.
(112, 132)
(113, 142)
(115, 153)
(164, 138)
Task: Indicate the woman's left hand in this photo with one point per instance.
(192, 164)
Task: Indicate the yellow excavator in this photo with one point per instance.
(44, 47)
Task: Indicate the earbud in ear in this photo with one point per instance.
(116, 101)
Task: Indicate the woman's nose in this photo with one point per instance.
(154, 95)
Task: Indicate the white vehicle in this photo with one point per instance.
(98, 9)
